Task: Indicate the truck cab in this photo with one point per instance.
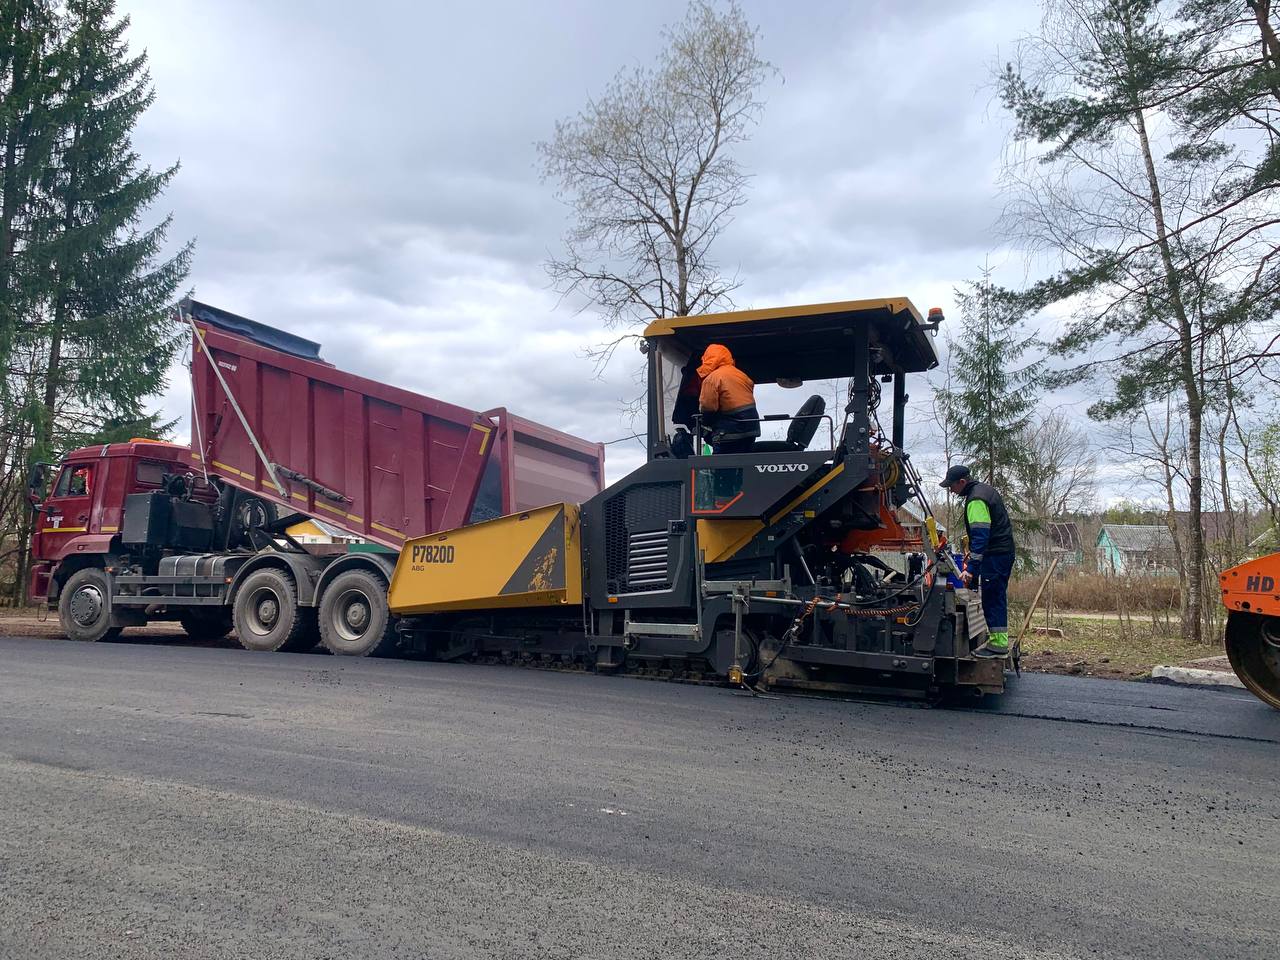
(78, 541)
(79, 517)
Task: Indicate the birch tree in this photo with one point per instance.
(649, 173)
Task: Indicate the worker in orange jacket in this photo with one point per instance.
(727, 402)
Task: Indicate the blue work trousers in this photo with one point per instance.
(993, 576)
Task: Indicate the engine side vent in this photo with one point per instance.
(647, 561)
(615, 541)
(642, 512)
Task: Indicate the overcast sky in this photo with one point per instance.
(365, 175)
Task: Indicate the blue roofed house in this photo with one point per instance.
(1136, 549)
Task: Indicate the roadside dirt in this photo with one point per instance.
(1073, 664)
(26, 623)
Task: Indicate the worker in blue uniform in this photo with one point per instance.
(991, 554)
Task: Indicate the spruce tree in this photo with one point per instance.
(27, 35)
(102, 328)
(85, 278)
(994, 392)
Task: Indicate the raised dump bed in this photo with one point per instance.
(273, 418)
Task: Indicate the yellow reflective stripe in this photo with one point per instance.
(65, 529)
(342, 513)
(230, 469)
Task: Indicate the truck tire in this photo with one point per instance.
(354, 618)
(206, 624)
(267, 616)
(84, 607)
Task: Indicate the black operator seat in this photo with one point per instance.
(801, 432)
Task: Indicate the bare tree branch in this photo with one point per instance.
(647, 170)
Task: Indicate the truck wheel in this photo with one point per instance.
(206, 624)
(354, 619)
(267, 616)
(84, 607)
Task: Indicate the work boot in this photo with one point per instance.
(996, 647)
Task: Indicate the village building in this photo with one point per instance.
(1135, 549)
(1057, 538)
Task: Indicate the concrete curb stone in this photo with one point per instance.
(1191, 675)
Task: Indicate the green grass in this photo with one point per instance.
(1133, 645)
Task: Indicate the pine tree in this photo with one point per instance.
(1229, 76)
(102, 328)
(990, 406)
(1144, 163)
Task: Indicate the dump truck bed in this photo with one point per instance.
(385, 464)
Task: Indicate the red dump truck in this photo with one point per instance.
(144, 530)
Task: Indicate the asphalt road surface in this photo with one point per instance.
(170, 801)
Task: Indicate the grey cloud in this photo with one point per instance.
(370, 180)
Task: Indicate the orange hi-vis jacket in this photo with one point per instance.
(727, 399)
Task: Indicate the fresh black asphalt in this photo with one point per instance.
(175, 801)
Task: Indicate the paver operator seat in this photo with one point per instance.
(804, 425)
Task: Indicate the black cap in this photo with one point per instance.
(955, 474)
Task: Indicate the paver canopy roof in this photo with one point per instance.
(808, 342)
